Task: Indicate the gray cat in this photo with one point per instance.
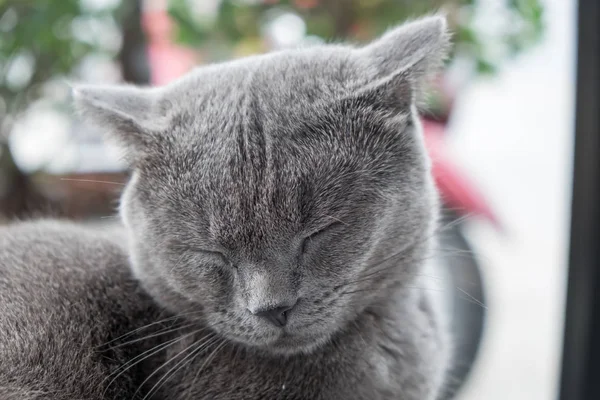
(278, 220)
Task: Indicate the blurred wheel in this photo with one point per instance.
(463, 293)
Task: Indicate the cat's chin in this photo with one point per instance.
(288, 344)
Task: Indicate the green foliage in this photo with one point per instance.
(39, 41)
(43, 34)
(236, 26)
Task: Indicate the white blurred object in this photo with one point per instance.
(103, 32)
(204, 9)
(154, 5)
(20, 70)
(39, 138)
(284, 30)
(8, 20)
(99, 5)
(98, 68)
(515, 135)
(45, 139)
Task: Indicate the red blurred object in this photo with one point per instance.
(168, 61)
(457, 191)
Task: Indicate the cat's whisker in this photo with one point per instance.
(141, 357)
(208, 359)
(358, 332)
(436, 254)
(337, 219)
(205, 348)
(406, 287)
(440, 279)
(371, 276)
(439, 251)
(377, 271)
(136, 360)
(93, 181)
(376, 275)
(470, 298)
(180, 260)
(454, 222)
(162, 321)
(186, 361)
(191, 357)
(191, 387)
(196, 346)
(479, 303)
(458, 253)
(156, 334)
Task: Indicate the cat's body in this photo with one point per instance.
(65, 293)
(281, 205)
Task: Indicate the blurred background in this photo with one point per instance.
(499, 127)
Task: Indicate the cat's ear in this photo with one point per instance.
(401, 62)
(131, 115)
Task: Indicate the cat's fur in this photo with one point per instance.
(65, 295)
(235, 166)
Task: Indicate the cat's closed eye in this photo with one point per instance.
(187, 247)
(212, 255)
(216, 255)
(314, 238)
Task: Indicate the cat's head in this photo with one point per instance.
(278, 196)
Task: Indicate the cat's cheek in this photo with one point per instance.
(203, 284)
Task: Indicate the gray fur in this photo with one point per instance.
(238, 168)
(65, 296)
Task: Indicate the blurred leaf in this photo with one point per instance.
(238, 22)
(46, 29)
(485, 67)
(188, 32)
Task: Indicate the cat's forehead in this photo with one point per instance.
(273, 127)
(286, 79)
(310, 73)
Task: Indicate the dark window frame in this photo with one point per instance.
(580, 379)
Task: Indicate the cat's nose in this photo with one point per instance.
(276, 315)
